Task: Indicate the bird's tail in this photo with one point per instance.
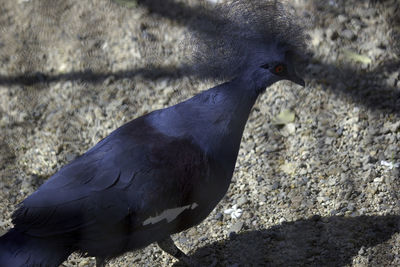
(18, 249)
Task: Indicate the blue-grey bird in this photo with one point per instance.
(166, 171)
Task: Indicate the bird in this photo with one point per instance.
(165, 171)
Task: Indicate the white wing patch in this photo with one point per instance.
(169, 214)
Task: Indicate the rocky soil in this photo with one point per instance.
(317, 177)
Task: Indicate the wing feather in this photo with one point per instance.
(131, 173)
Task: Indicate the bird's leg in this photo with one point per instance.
(168, 246)
(100, 262)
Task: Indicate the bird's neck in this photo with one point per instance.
(214, 119)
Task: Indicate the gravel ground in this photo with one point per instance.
(318, 188)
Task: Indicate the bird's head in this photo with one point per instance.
(255, 41)
(269, 65)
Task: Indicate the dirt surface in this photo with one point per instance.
(321, 189)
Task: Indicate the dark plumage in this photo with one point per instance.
(161, 173)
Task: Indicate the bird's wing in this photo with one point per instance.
(135, 171)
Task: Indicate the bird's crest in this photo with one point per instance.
(222, 46)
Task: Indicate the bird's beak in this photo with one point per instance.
(296, 79)
(292, 74)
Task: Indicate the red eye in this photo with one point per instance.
(279, 69)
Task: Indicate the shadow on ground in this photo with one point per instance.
(327, 241)
(367, 87)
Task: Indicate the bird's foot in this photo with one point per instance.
(100, 262)
(168, 246)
